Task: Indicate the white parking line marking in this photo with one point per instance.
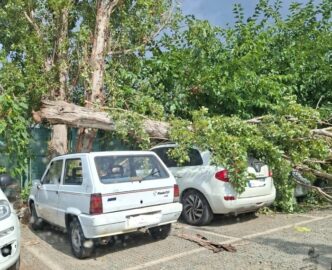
(249, 236)
(285, 227)
(306, 216)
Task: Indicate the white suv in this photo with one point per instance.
(205, 189)
(98, 195)
(9, 231)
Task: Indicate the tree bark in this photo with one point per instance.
(59, 138)
(317, 173)
(98, 53)
(94, 95)
(61, 112)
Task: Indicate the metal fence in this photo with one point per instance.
(38, 152)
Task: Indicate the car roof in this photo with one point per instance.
(162, 145)
(105, 153)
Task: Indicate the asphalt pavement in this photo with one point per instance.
(277, 241)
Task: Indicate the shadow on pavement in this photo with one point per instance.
(313, 254)
(58, 239)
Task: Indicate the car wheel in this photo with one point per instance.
(80, 246)
(196, 209)
(36, 222)
(160, 232)
(16, 266)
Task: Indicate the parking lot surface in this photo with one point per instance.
(278, 241)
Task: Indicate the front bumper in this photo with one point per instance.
(9, 241)
(96, 226)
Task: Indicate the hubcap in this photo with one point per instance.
(193, 208)
(76, 239)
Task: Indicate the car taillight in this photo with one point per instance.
(176, 193)
(96, 204)
(222, 175)
(270, 173)
(229, 198)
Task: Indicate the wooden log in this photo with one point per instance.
(61, 112)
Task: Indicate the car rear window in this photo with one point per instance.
(195, 158)
(119, 169)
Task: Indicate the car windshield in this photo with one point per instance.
(118, 169)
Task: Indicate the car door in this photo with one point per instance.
(47, 192)
(72, 189)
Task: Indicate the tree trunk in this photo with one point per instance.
(58, 144)
(94, 95)
(61, 112)
(97, 59)
(59, 138)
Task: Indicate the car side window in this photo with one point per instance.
(73, 172)
(53, 175)
(164, 156)
(195, 158)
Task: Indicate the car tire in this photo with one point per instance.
(196, 209)
(15, 266)
(36, 222)
(80, 246)
(160, 232)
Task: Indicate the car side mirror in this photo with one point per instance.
(5, 180)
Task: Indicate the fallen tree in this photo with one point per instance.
(61, 112)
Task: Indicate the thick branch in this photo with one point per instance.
(100, 41)
(327, 132)
(324, 132)
(61, 112)
(33, 23)
(315, 172)
(318, 189)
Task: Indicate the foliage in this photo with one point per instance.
(14, 132)
(207, 81)
(25, 192)
(246, 69)
(283, 140)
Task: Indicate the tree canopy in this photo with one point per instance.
(261, 86)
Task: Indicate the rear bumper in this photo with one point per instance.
(242, 205)
(96, 226)
(9, 241)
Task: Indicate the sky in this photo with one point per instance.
(220, 12)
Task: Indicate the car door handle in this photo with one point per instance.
(57, 192)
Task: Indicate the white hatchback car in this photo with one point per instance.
(95, 196)
(205, 189)
(9, 231)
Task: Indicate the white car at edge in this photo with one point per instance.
(9, 232)
(205, 189)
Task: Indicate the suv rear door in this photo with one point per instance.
(260, 182)
(131, 181)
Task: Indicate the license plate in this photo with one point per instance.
(257, 183)
(143, 220)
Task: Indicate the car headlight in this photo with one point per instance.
(4, 209)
